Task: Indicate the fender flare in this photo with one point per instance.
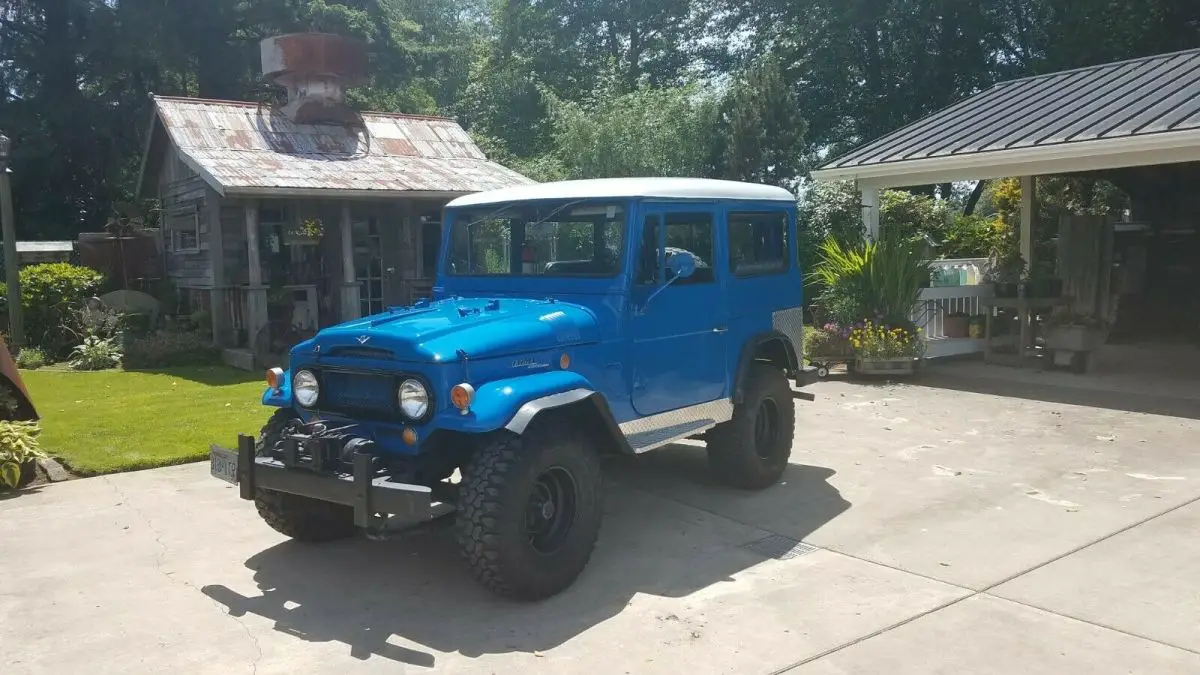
(586, 398)
(746, 358)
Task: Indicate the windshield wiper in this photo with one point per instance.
(529, 225)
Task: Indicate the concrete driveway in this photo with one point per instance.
(944, 532)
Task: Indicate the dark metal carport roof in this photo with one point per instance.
(1068, 119)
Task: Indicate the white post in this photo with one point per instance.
(255, 257)
(256, 294)
(350, 292)
(870, 211)
(1028, 213)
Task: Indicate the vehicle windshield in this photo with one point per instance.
(559, 239)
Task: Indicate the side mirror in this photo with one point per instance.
(681, 265)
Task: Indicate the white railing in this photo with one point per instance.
(940, 302)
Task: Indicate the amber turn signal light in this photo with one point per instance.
(564, 361)
(409, 436)
(275, 378)
(461, 396)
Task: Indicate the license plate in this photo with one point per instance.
(223, 464)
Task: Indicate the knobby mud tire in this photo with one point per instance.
(300, 518)
(737, 454)
(493, 511)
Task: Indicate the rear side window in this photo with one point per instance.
(758, 243)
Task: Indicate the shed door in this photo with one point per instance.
(679, 337)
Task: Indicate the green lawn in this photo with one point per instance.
(114, 421)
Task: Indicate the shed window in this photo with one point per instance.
(184, 230)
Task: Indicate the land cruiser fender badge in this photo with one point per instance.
(529, 363)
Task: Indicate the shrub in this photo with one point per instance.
(829, 340)
(18, 445)
(103, 323)
(137, 325)
(96, 353)
(31, 358)
(50, 294)
(881, 280)
(167, 349)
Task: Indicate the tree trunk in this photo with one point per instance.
(973, 200)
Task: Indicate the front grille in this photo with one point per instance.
(359, 393)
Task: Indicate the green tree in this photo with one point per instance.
(761, 133)
(646, 132)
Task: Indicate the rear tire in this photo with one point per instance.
(751, 451)
(301, 518)
(529, 511)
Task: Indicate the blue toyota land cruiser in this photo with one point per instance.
(569, 320)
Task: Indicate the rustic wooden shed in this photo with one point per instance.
(282, 219)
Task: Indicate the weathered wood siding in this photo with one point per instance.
(183, 195)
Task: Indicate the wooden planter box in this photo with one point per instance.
(1075, 338)
(901, 366)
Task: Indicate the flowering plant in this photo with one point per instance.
(829, 340)
(881, 342)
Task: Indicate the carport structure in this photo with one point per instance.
(1135, 123)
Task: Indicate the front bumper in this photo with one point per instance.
(805, 375)
(373, 497)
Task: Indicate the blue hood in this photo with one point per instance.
(433, 332)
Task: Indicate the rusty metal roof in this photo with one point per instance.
(247, 148)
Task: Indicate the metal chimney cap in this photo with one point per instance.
(325, 55)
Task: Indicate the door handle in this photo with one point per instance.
(721, 329)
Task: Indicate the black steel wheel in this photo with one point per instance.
(751, 451)
(529, 511)
(551, 510)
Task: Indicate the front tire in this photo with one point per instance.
(529, 511)
(300, 518)
(751, 451)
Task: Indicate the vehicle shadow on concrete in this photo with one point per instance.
(410, 599)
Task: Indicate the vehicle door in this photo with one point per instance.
(762, 271)
(679, 326)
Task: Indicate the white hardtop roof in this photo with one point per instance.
(630, 188)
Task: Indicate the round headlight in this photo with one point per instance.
(414, 399)
(305, 388)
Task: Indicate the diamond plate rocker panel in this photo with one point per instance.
(656, 431)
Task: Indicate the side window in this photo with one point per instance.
(693, 232)
(648, 261)
(758, 243)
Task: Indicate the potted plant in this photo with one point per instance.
(976, 325)
(886, 350)
(1074, 331)
(1041, 281)
(956, 325)
(1004, 271)
(826, 346)
(1072, 337)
